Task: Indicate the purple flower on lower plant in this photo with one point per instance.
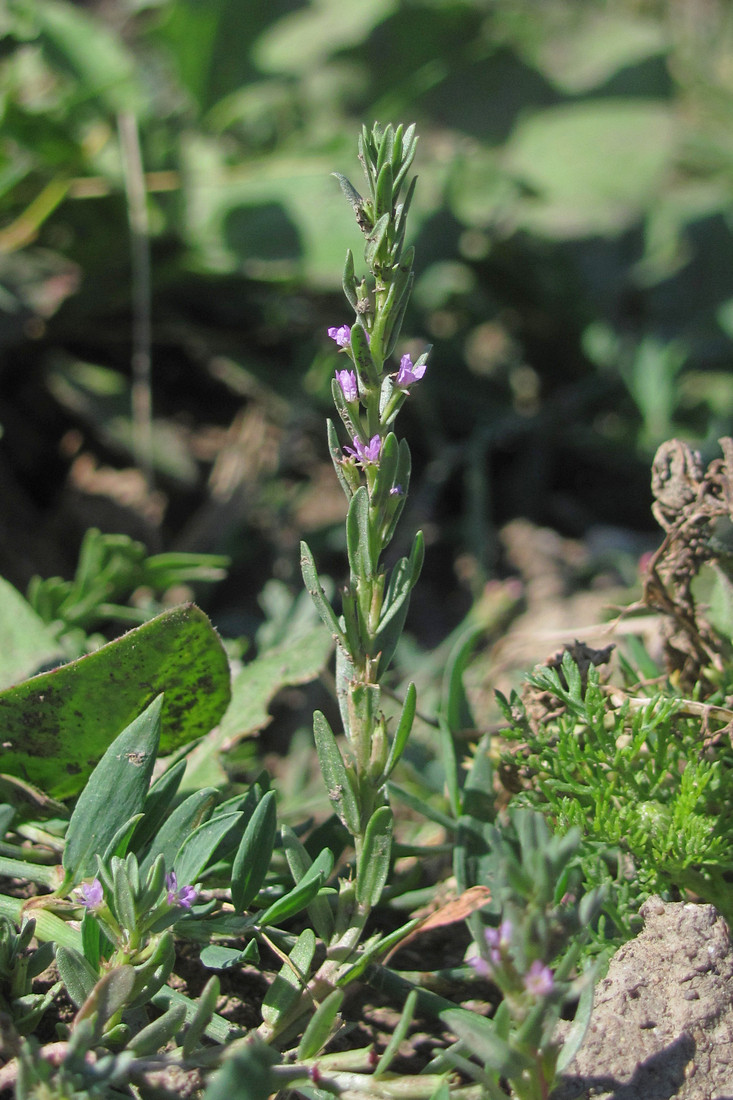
(347, 381)
(184, 896)
(91, 894)
(341, 335)
(408, 373)
(539, 980)
(366, 453)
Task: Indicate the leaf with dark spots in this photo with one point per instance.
(55, 727)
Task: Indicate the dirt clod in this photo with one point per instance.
(662, 1023)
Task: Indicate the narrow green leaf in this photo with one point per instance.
(338, 783)
(375, 240)
(119, 843)
(123, 900)
(157, 804)
(184, 820)
(480, 1036)
(254, 853)
(56, 726)
(247, 1075)
(450, 766)
(397, 1036)
(349, 279)
(150, 1039)
(402, 734)
(320, 1026)
(373, 867)
(197, 849)
(300, 896)
(383, 195)
(205, 1009)
(300, 863)
(286, 988)
(115, 792)
(316, 592)
(152, 975)
(216, 957)
(365, 365)
(110, 994)
(358, 535)
(334, 449)
(76, 974)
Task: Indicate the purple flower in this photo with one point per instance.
(91, 894)
(407, 374)
(184, 896)
(365, 452)
(539, 980)
(498, 939)
(397, 491)
(342, 335)
(347, 381)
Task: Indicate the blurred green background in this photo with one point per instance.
(574, 254)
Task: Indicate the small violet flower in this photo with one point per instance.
(407, 374)
(498, 940)
(539, 980)
(342, 335)
(397, 491)
(365, 453)
(184, 896)
(91, 894)
(347, 381)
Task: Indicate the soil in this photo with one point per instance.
(662, 1021)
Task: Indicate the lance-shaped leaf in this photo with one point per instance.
(365, 365)
(182, 822)
(197, 850)
(343, 409)
(109, 995)
(383, 198)
(348, 280)
(402, 734)
(205, 1009)
(157, 804)
(56, 726)
(409, 147)
(397, 600)
(301, 896)
(359, 536)
(150, 1039)
(254, 853)
(375, 241)
(373, 867)
(317, 594)
(321, 1025)
(388, 321)
(300, 864)
(76, 974)
(337, 457)
(286, 988)
(338, 782)
(115, 792)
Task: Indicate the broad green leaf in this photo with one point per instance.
(56, 726)
(115, 792)
(595, 165)
(358, 535)
(216, 957)
(253, 856)
(295, 662)
(26, 641)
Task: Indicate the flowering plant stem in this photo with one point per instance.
(374, 472)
